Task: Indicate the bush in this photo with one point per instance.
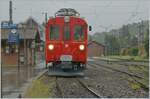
(133, 51)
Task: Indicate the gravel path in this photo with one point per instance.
(112, 84)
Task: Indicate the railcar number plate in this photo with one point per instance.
(66, 58)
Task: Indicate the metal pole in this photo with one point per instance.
(25, 50)
(18, 57)
(45, 17)
(45, 13)
(10, 12)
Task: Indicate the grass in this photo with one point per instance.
(39, 89)
(127, 57)
(134, 69)
(144, 82)
(135, 86)
(139, 69)
(108, 58)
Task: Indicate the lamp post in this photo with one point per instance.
(45, 13)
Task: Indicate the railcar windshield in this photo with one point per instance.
(54, 32)
(78, 33)
(66, 32)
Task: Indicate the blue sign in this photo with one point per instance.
(13, 38)
(8, 25)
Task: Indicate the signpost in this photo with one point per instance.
(7, 25)
(13, 37)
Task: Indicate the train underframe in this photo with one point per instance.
(66, 68)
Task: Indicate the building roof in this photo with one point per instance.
(30, 22)
(23, 33)
(27, 32)
(90, 42)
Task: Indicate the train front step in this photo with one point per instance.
(65, 73)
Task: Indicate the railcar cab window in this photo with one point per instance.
(66, 32)
(54, 32)
(78, 33)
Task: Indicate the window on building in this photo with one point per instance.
(78, 33)
(54, 32)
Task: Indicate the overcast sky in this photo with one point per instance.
(100, 14)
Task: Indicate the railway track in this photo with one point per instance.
(124, 72)
(96, 65)
(59, 89)
(126, 64)
(91, 90)
(62, 94)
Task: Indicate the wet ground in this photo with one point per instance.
(104, 81)
(107, 82)
(14, 79)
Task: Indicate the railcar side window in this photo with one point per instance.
(54, 32)
(78, 33)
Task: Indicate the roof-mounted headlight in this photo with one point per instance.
(66, 18)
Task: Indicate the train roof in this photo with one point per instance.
(67, 12)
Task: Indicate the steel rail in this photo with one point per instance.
(91, 90)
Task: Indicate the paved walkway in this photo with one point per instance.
(13, 79)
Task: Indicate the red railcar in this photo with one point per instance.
(66, 40)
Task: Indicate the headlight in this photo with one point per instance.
(66, 18)
(50, 47)
(81, 47)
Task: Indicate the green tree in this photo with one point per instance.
(112, 44)
(146, 44)
(125, 36)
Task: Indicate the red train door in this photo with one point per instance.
(67, 39)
